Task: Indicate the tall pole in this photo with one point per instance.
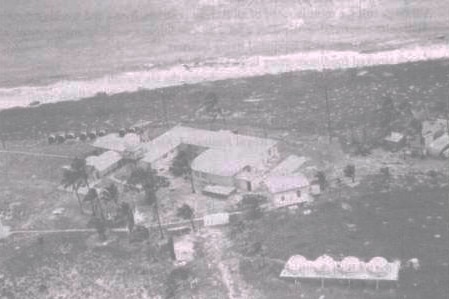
(447, 115)
(326, 97)
(164, 110)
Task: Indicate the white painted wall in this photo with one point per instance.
(291, 197)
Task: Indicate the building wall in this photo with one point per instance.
(273, 152)
(201, 179)
(163, 163)
(291, 197)
(96, 174)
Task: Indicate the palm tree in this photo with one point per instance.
(128, 212)
(156, 212)
(110, 194)
(349, 171)
(186, 212)
(211, 107)
(181, 165)
(100, 227)
(151, 183)
(72, 179)
(79, 166)
(93, 197)
(322, 180)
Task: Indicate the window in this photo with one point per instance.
(298, 193)
(282, 198)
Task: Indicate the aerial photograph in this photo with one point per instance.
(224, 149)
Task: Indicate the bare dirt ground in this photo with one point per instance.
(217, 251)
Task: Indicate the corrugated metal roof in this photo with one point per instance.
(288, 165)
(103, 161)
(202, 138)
(277, 184)
(114, 142)
(221, 190)
(225, 162)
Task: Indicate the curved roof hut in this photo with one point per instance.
(60, 138)
(92, 134)
(83, 136)
(51, 139)
(101, 133)
(122, 132)
(70, 135)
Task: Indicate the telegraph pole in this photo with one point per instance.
(447, 115)
(328, 114)
(164, 110)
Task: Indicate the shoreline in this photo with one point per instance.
(214, 70)
(289, 101)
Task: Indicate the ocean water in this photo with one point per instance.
(57, 50)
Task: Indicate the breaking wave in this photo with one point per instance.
(213, 70)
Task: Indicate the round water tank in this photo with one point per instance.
(378, 266)
(324, 264)
(83, 136)
(350, 265)
(51, 139)
(101, 133)
(297, 263)
(92, 134)
(60, 138)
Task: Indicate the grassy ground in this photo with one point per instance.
(397, 224)
(292, 101)
(75, 264)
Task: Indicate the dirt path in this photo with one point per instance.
(36, 154)
(216, 248)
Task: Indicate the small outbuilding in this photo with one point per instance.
(103, 164)
(437, 147)
(394, 142)
(113, 142)
(288, 190)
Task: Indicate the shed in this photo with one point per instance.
(113, 142)
(394, 142)
(288, 190)
(103, 164)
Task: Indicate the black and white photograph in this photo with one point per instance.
(224, 149)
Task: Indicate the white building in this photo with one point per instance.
(225, 155)
(113, 142)
(225, 158)
(438, 146)
(288, 190)
(103, 164)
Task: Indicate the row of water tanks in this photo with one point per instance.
(377, 266)
(84, 136)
